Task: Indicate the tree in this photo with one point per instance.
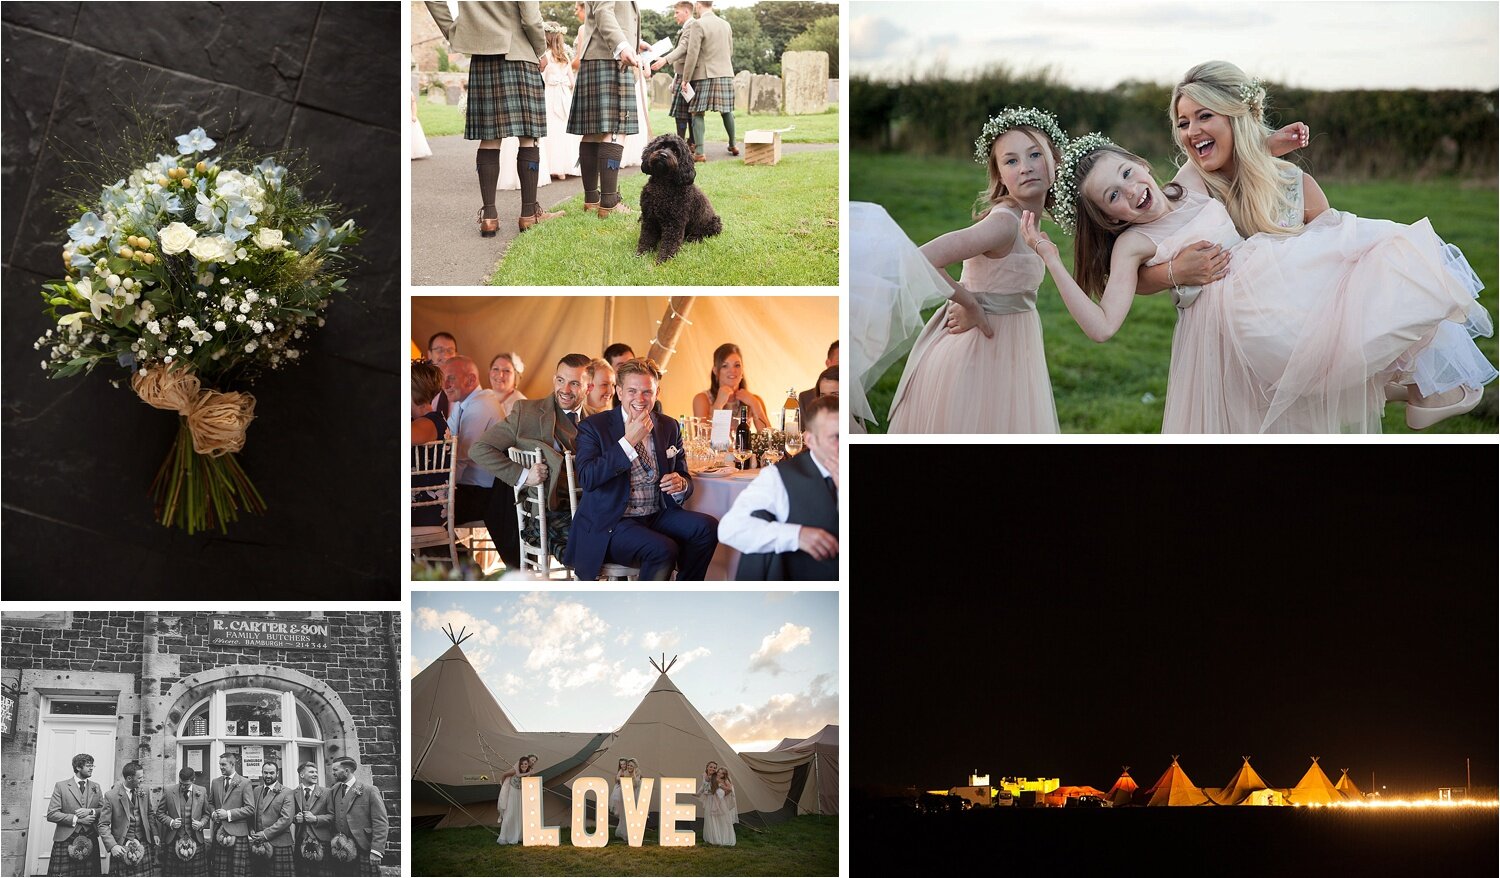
(821, 36)
(783, 19)
(655, 25)
(752, 50)
(563, 14)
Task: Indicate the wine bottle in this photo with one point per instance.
(742, 436)
(791, 414)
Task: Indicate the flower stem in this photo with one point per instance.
(197, 492)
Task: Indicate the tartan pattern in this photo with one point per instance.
(603, 100)
(361, 866)
(171, 864)
(506, 99)
(679, 108)
(118, 866)
(310, 869)
(62, 864)
(282, 862)
(233, 860)
(645, 493)
(713, 95)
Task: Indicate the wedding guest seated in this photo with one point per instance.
(808, 396)
(505, 378)
(828, 385)
(785, 524)
(635, 479)
(426, 426)
(616, 354)
(599, 393)
(440, 347)
(551, 426)
(727, 389)
(474, 410)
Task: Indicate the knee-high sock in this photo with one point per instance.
(729, 125)
(487, 163)
(698, 132)
(682, 126)
(610, 156)
(588, 167)
(528, 161)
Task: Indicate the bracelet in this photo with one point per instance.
(1170, 279)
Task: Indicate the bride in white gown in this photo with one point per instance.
(510, 801)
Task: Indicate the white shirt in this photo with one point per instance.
(749, 535)
(467, 421)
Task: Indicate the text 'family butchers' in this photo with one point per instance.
(270, 632)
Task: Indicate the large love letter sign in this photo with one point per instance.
(637, 808)
(532, 830)
(672, 811)
(580, 835)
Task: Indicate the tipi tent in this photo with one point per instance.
(462, 741)
(1314, 788)
(1246, 788)
(820, 793)
(1175, 788)
(1347, 787)
(1059, 797)
(1124, 789)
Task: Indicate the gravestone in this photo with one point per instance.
(765, 94)
(742, 90)
(806, 75)
(454, 93)
(661, 90)
(436, 94)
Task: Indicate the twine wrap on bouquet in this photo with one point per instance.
(217, 421)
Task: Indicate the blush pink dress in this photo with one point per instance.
(1306, 330)
(967, 383)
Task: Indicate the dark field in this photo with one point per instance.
(1179, 841)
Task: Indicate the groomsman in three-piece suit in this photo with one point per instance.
(233, 804)
(634, 477)
(273, 823)
(359, 813)
(128, 814)
(74, 807)
(183, 813)
(312, 815)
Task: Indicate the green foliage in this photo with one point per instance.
(1356, 134)
(655, 25)
(782, 20)
(752, 48)
(444, 65)
(817, 128)
(439, 120)
(780, 229)
(821, 36)
(562, 13)
(1101, 388)
(806, 845)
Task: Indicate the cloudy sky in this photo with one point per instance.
(760, 666)
(1098, 43)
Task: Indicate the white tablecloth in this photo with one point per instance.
(714, 496)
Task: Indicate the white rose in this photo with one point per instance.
(212, 249)
(176, 238)
(270, 239)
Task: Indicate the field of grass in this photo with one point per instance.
(780, 229)
(439, 120)
(805, 845)
(1120, 386)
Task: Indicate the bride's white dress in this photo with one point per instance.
(510, 812)
(718, 823)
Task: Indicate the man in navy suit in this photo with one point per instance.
(634, 476)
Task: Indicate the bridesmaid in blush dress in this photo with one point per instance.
(722, 812)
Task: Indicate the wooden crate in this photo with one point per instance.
(762, 147)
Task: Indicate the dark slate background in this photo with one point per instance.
(79, 454)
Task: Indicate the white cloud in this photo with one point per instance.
(480, 660)
(563, 635)
(789, 715)
(507, 684)
(416, 666)
(634, 683)
(429, 619)
(660, 639)
(772, 646)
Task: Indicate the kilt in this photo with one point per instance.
(234, 860)
(62, 864)
(171, 864)
(506, 99)
(679, 108)
(311, 869)
(603, 100)
(282, 862)
(713, 95)
(117, 865)
(361, 866)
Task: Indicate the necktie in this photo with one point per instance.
(573, 418)
(306, 799)
(832, 488)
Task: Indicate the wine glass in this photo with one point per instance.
(793, 443)
(771, 456)
(743, 454)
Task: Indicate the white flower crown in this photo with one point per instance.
(552, 27)
(1009, 118)
(1253, 95)
(1065, 209)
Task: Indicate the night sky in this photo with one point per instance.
(1083, 607)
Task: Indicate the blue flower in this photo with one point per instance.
(114, 197)
(194, 141)
(88, 230)
(271, 172)
(309, 237)
(238, 220)
(210, 215)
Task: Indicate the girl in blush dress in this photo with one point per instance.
(1301, 334)
(560, 147)
(958, 380)
(721, 813)
(510, 802)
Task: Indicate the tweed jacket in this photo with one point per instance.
(712, 55)
(114, 820)
(239, 802)
(493, 28)
(171, 807)
(65, 800)
(611, 22)
(533, 424)
(322, 810)
(675, 57)
(273, 814)
(361, 816)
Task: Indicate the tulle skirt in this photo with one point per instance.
(510, 814)
(1306, 330)
(719, 819)
(968, 383)
(617, 808)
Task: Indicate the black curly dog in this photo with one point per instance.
(673, 210)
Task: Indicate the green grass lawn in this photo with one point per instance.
(780, 229)
(439, 120)
(1120, 386)
(805, 845)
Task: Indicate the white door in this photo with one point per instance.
(58, 739)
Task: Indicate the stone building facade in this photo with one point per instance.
(174, 689)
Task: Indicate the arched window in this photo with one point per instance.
(257, 725)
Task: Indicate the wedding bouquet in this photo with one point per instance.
(194, 271)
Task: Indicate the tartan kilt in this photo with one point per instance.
(310, 869)
(603, 100)
(282, 862)
(713, 95)
(679, 108)
(506, 99)
(118, 866)
(360, 867)
(62, 864)
(234, 860)
(171, 864)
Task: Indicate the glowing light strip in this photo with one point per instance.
(1403, 803)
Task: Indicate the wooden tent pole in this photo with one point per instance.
(665, 343)
(609, 322)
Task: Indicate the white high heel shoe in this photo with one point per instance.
(1420, 417)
